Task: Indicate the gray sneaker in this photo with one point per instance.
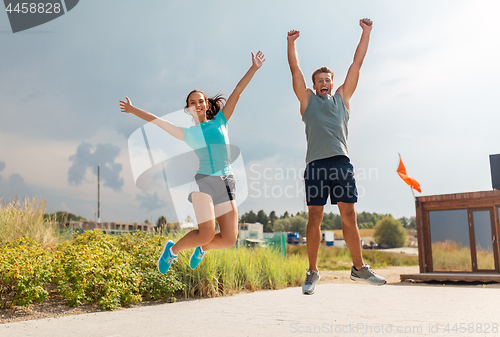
(309, 286)
(367, 275)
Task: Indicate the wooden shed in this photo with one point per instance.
(458, 237)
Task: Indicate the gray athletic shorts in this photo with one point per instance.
(220, 188)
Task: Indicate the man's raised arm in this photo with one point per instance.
(351, 80)
(298, 81)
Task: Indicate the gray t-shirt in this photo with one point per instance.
(326, 127)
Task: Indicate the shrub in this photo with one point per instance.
(111, 270)
(24, 270)
(291, 224)
(389, 231)
(144, 250)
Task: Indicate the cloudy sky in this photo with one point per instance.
(427, 90)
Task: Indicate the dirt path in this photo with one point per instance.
(390, 273)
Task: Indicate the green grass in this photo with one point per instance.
(334, 258)
(225, 272)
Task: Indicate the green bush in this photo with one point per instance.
(292, 224)
(25, 269)
(144, 250)
(390, 232)
(111, 270)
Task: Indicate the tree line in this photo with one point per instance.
(330, 220)
(63, 217)
(389, 231)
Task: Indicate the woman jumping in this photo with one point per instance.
(213, 191)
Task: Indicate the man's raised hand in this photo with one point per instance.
(293, 35)
(366, 24)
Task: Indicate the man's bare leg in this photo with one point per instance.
(351, 233)
(360, 272)
(313, 235)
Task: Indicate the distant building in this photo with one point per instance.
(251, 234)
(188, 224)
(108, 227)
(293, 238)
(336, 237)
(412, 238)
(328, 237)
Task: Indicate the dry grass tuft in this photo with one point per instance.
(26, 218)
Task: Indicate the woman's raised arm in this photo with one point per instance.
(172, 129)
(257, 61)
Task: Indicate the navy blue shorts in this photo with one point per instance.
(330, 177)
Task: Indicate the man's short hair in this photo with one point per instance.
(321, 70)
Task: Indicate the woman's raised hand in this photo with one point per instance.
(258, 60)
(126, 106)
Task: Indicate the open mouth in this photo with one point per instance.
(324, 91)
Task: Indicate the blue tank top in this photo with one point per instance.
(210, 142)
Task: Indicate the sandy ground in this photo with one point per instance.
(404, 250)
(390, 273)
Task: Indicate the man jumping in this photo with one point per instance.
(328, 169)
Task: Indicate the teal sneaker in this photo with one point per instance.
(196, 257)
(166, 258)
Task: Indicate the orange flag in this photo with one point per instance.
(409, 180)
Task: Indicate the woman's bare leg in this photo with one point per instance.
(228, 223)
(205, 215)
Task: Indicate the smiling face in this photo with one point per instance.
(323, 84)
(197, 106)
